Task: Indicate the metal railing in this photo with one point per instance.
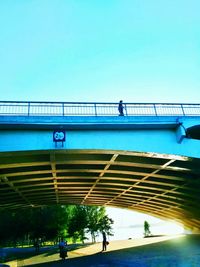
(36, 108)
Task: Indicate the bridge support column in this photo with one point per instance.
(180, 133)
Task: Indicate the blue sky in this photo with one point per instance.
(100, 50)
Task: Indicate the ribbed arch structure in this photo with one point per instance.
(165, 186)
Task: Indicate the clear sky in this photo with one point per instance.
(100, 50)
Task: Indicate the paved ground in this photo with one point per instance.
(166, 251)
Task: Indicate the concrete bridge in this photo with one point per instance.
(84, 153)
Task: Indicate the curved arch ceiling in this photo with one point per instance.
(165, 186)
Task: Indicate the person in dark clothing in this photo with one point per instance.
(104, 244)
(63, 249)
(37, 245)
(121, 108)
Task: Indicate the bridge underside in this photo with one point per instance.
(165, 186)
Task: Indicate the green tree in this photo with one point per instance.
(49, 223)
(98, 221)
(52, 223)
(14, 226)
(22, 225)
(105, 225)
(78, 223)
(58, 217)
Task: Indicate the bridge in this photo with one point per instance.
(85, 153)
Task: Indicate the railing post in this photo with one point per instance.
(29, 105)
(126, 109)
(183, 110)
(154, 106)
(63, 109)
(95, 109)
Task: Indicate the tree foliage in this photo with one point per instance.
(98, 221)
(77, 223)
(52, 223)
